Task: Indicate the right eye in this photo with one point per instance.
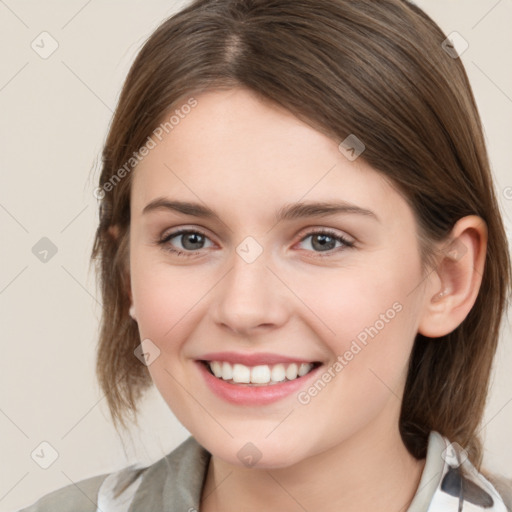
(188, 239)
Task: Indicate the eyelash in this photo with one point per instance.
(163, 241)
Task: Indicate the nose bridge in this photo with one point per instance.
(250, 296)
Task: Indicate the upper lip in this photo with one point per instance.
(253, 359)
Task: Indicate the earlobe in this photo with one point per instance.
(455, 282)
(113, 231)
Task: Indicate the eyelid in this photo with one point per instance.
(164, 239)
(179, 231)
(347, 243)
(311, 230)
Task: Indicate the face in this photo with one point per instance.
(307, 316)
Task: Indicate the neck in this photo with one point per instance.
(370, 471)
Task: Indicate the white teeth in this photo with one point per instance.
(227, 371)
(241, 373)
(261, 374)
(216, 368)
(303, 369)
(278, 373)
(291, 371)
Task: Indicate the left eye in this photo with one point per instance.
(193, 241)
(325, 241)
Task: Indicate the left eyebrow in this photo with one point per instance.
(288, 212)
(321, 209)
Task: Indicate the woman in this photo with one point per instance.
(300, 246)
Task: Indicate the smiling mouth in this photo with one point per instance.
(260, 375)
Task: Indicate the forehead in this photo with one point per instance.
(234, 150)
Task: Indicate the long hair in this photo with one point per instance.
(375, 69)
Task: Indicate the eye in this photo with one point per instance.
(325, 241)
(191, 240)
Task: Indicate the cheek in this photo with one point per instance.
(374, 317)
(356, 301)
(165, 299)
(164, 295)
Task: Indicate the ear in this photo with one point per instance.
(453, 286)
(113, 231)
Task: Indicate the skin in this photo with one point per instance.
(245, 159)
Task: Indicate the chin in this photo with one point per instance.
(260, 453)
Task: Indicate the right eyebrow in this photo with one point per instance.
(185, 207)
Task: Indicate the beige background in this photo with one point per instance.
(54, 117)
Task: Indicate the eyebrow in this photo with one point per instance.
(288, 212)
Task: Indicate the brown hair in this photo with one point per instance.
(373, 69)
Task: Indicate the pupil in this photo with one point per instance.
(323, 240)
(190, 238)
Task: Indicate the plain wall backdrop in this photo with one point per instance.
(55, 112)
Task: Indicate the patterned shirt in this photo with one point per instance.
(449, 483)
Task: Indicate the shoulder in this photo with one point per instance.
(77, 497)
(176, 476)
(452, 479)
(103, 493)
(175, 479)
(503, 486)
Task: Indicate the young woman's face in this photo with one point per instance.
(263, 283)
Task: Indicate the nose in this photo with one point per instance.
(251, 298)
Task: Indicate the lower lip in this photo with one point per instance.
(242, 394)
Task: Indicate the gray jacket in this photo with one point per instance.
(174, 483)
